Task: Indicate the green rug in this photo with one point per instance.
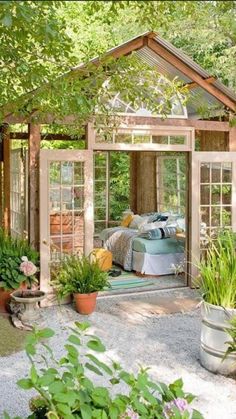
(129, 283)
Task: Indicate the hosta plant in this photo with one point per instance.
(17, 262)
(67, 391)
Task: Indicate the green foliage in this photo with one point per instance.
(11, 251)
(119, 197)
(217, 271)
(34, 46)
(65, 390)
(47, 38)
(232, 333)
(79, 274)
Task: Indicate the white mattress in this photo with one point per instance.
(157, 264)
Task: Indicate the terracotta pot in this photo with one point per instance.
(5, 297)
(85, 303)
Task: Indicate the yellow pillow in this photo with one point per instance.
(126, 221)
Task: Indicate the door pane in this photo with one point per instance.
(66, 206)
(215, 196)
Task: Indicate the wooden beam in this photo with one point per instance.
(232, 139)
(151, 120)
(172, 122)
(33, 183)
(6, 178)
(191, 73)
(122, 50)
(1, 194)
(194, 84)
(47, 137)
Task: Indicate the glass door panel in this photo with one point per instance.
(66, 206)
(213, 198)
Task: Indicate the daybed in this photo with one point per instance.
(150, 248)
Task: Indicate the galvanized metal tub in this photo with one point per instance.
(215, 320)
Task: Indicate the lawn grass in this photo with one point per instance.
(12, 339)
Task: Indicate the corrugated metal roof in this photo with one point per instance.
(198, 96)
(164, 67)
(187, 60)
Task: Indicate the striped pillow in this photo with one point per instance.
(168, 232)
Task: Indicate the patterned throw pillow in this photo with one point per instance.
(126, 221)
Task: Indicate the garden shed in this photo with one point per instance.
(182, 164)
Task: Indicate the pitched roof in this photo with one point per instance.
(173, 62)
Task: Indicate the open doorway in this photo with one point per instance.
(140, 213)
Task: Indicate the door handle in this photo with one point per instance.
(45, 242)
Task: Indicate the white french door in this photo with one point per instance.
(213, 198)
(66, 207)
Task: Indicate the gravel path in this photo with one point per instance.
(169, 344)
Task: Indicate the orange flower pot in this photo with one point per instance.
(85, 303)
(5, 297)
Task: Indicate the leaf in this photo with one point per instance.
(86, 411)
(140, 407)
(113, 412)
(93, 368)
(114, 381)
(30, 350)
(100, 396)
(33, 374)
(67, 398)
(56, 387)
(65, 410)
(46, 379)
(96, 345)
(72, 351)
(100, 364)
(7, 20)
(82, 326)
(74, 339)
(196, 415)
(25, 383)
(46, 333)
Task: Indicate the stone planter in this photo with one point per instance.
(215, 320)
(29, 299)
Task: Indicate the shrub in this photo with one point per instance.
(65, 391)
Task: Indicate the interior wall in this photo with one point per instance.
(143, 188)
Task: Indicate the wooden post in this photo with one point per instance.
(133, 181)
(33, 183)
(232, 139)
(6, 177)
(1, 194)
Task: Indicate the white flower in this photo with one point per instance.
(24, 259)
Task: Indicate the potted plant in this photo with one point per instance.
(82, 277)
(217, 282)
(11, 277)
